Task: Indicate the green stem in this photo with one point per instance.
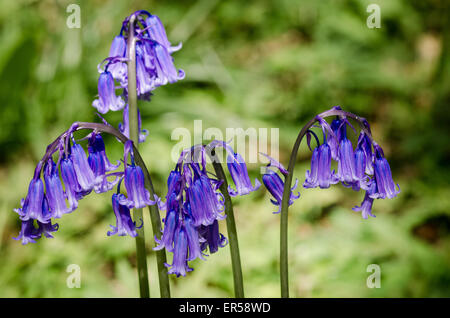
(134, 136)
(231, 229)
(284, 274)
(164, 285)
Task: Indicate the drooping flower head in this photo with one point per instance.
(358, 168)
(73, 176)
(154, 63)
(194, 206)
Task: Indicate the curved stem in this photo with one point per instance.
(231, 229)
(284, 274)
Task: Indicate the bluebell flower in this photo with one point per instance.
(203, 200)
(239, 174)
(73, 189)
(193, 208)
(275, 186)
(385, 186)
(124, 223)
(334, 142)
(212, 238)
(366, 205)
(117, 67)
(34, 206)
(54, 191)
(320, 174)
(170, 225)
(362, 180)
(85, 176)
(138, 195)
(165, 69)
(107, 99)
(47, 228)
(124, 127)
(145, 77)
(346, 158)
(193, 237)
(100, 164)
(157, 33)
(28, 232)
(179, 264)
(365, 145)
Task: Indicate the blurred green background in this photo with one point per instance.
(248, 64)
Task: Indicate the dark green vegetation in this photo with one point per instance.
(248, 64)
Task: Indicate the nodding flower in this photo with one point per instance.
(204, 203)
(366, 205)
(85, 176)
(34, 206)
(100, 164)
(346, 157)
(124, 223)
(74, 192)
(385, 186)
(179, 265)
(117, 66)
(54, 190)
(275, 185)
(138, 195)
(28, 233)
(157, 32)
(107, 99)
(238, 171)
(321, 174)
(212, 239)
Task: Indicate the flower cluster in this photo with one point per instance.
(364, 167)
(73, 176)
(194, 205)
(154, 63)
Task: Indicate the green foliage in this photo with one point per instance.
(262, 64)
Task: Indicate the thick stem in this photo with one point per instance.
(231, 229)
(284, 274)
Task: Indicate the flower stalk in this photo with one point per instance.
(134, 136)
(336, 111)
(232, 232)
